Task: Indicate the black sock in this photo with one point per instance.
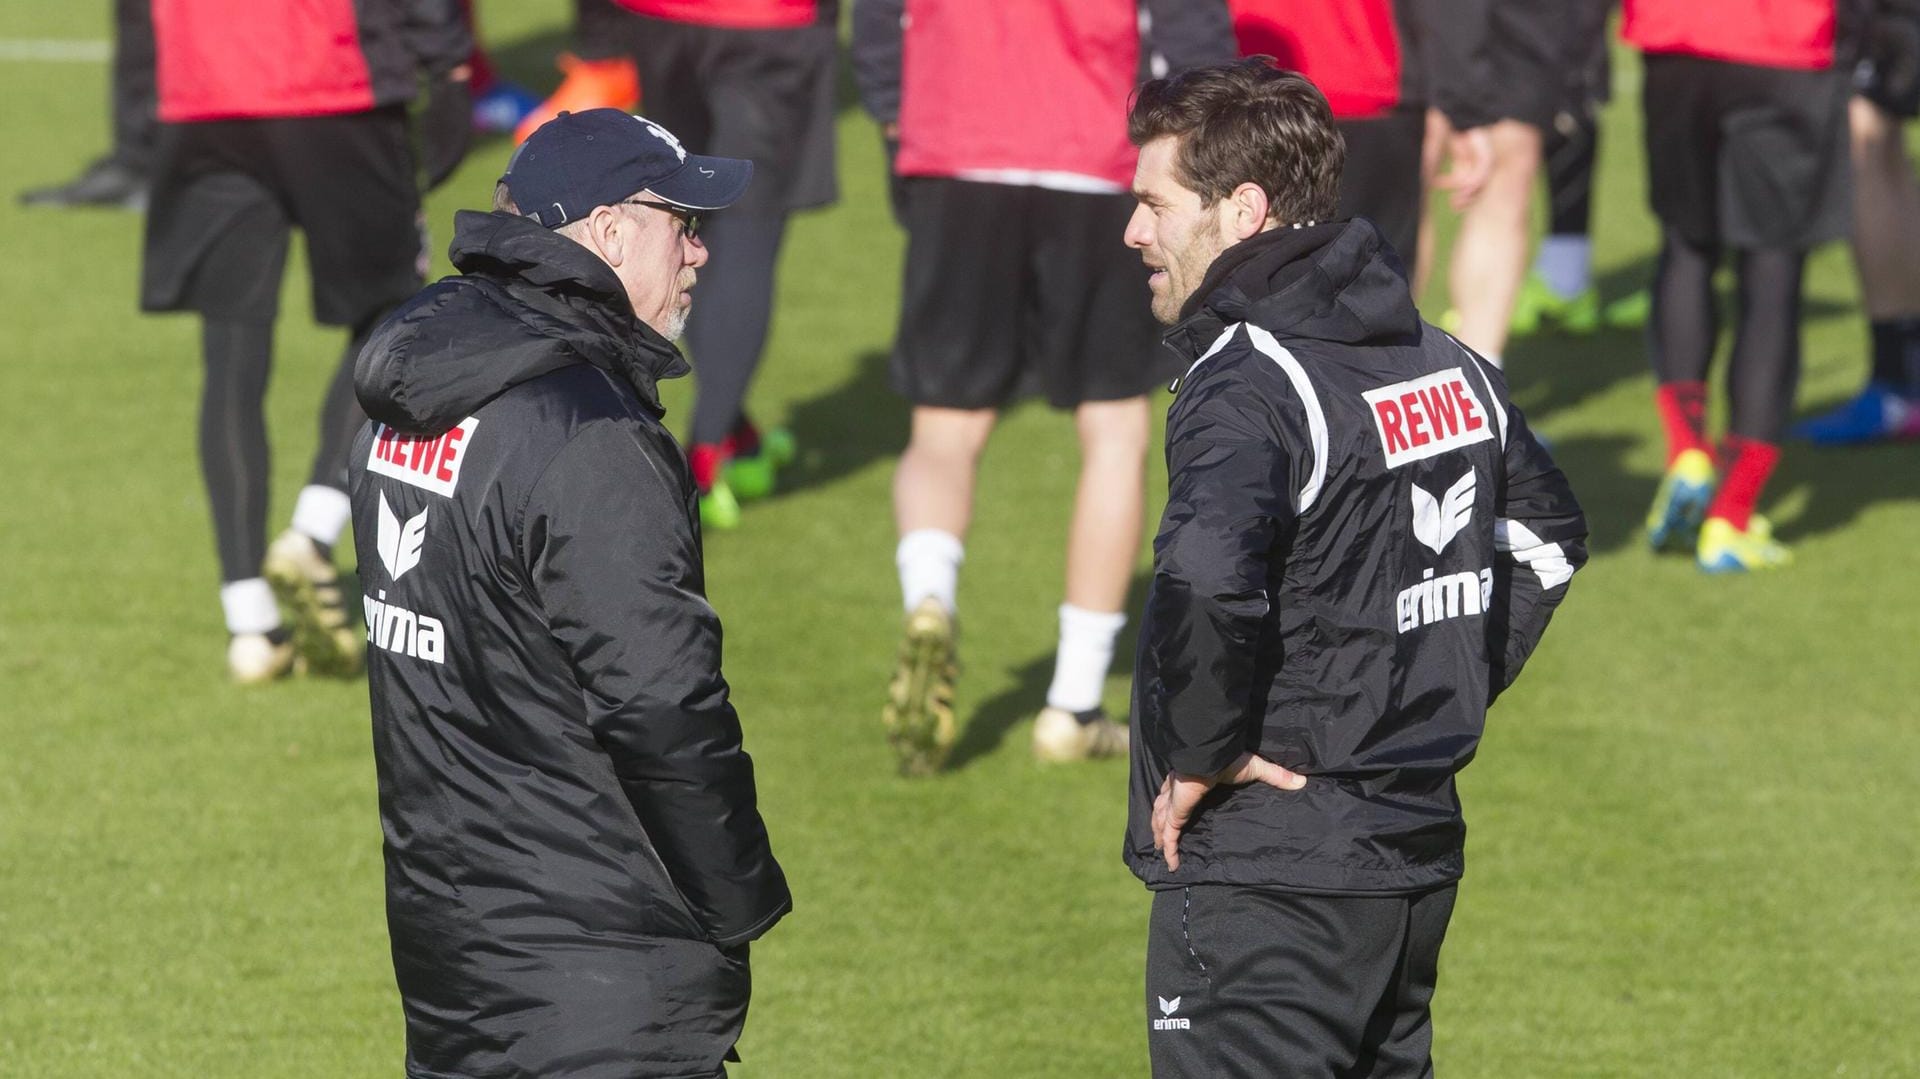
(1896, 353)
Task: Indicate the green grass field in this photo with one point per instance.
(1694, 821)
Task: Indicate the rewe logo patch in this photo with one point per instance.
(400, 544)
(1167, 1020)
(431, 464)
(1437, 520)
(1427, 416)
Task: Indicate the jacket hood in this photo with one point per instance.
(1337, 282)
(529, 302)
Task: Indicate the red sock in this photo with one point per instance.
(1749, 463)
(745, 438)
(1683, 415)
(706, 458)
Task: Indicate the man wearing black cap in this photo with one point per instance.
(575, 860)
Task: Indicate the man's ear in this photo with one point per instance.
(1246, 211)
(605, 226)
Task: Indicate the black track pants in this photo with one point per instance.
(1258, 982)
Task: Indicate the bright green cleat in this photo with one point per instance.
(755, 475)
(1531, 307)
(1628, 312)
(1581, 314)
(1538, 305)
(779, 445)
(1726, 549)
(919, 711)
(719, 509)
(1681, 500)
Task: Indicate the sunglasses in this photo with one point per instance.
(689, 219)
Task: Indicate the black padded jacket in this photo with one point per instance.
(574, 856)
(1362, 545)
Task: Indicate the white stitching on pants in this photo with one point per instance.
(1186, 936)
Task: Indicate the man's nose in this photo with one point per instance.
(696, 251)
(1139, 231)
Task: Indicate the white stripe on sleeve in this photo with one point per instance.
(1316, 419)
(1547, 561)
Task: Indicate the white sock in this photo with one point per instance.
(1565, 263)
(322, 513)
(1086, 651)
(249, 606)
(929, 562)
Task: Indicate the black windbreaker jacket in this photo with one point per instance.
(1362, 544)
(573, 848)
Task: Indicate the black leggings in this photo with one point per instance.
(234, 455)
(1570, 156)
(727, 332)
(1765, 366)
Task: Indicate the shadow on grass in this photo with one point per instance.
(983, 732)
(846, 428)
(1842, 483)
(1613, 497)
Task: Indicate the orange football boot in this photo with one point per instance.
(613, 83)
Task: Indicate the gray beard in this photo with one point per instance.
(676, 323)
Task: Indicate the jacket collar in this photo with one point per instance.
(561, 281)
(1338, 282)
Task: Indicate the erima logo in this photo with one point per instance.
(1427, 416)
(400, 544)
(405, 632)
(664, 136)
(1436, 599)
(1437, 520)
(432, 464)
(1167, 1021)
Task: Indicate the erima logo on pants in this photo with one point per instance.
(1167, 1020)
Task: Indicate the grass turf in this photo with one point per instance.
(1694, 821)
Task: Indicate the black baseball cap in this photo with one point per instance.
(579, 160)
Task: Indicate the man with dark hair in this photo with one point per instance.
(1362, 545)
(575, 857)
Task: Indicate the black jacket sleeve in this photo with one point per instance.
(614, 561)
(1188, 33)
(1541, 537)
(878, 41)
(1228, 502)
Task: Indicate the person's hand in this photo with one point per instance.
(446, 125)
(1180, 795)
(1469, 163)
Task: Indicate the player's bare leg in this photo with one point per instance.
(1886, 236)
(1103, 544)
(1490, 252)
(932, 506)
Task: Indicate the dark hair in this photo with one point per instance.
(1247, 121)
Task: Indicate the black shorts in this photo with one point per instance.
(1012, 290)
(1381, 180)
(1525, 55)
(1257, 982)
(226, 194)
(1745, 156)
(764, 95)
